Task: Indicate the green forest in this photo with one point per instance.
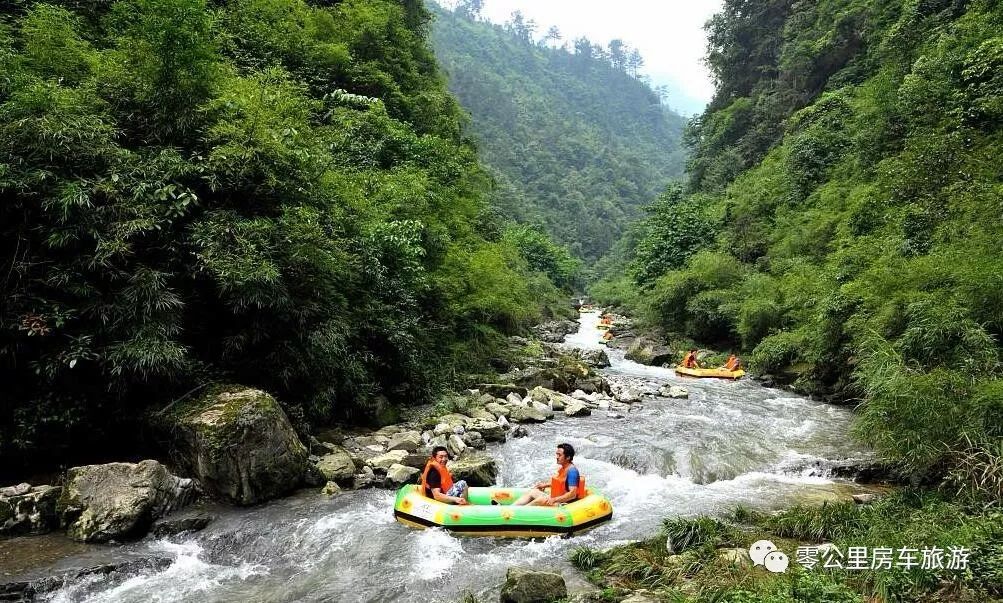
(575, 141)
(268, 192)
(840, 222)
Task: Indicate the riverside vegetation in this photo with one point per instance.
(268, 192)
(840, 226)
(576, 142)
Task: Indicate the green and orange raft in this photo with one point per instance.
(500, 518)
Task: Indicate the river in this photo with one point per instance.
(730, 443)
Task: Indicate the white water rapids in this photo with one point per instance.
(730, 443)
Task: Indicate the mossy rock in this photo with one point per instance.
(240, 445)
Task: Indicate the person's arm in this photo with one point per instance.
(566, 497)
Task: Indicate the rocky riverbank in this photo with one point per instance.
(235, 445)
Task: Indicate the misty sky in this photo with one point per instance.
(669, 34)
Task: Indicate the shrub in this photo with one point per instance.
(777, 351)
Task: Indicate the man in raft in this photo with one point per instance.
(437, 482)
(733, 363)
(566, 486)
(690, 360)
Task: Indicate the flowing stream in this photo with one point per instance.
(730, 443)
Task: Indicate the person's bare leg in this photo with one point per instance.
(528, 498)
(540, 502)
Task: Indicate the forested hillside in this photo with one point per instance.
(842, 219)
(576, 142)
(269, 192)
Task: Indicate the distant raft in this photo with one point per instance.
(482, 518)
(719, 373)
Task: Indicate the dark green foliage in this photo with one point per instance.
(906, 519)
(268, 192)
(675, 229)
(687, 533)
(577, 144)
(543, 255)
(849, 166)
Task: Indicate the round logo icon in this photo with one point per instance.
(759, 550)
(776, 562)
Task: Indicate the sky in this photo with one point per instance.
(668, 33)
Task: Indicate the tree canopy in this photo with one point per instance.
(270, 192)
(575, 142)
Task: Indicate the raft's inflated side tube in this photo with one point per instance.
(718, 373)
(481, 518)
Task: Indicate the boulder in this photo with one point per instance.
(554, 331)
(557, 379)
(337, 465)
(500, 391)
(331, 489)
(18, 490)
(491, 431)
(540, 394)
(27, 510)
(627, 395)
(482, 415)
(474, 439)
(544, 408)
(527, 414)
(485, 399)
(520, 432)
(645, 351)
(442, 429)
(454, 420)
(364, 479)
(678, 392)
(478, 469)
(399, 475)
(577, 408)
(863, 499)
(383, 462)
(594, 384)
(523, 585)
(405, 440)
(119, 500)
(503, 422)
(736, 556)
(180, 523)
(239, 444)
(595, 358)
(514, 399)
(455, 445)
(498, 410)
(579, 395)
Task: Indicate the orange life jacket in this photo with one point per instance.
(732, 363)
(445, 479)
(690, 361)
(559, 484)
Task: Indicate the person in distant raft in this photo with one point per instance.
(733, 363)
(437, 482)
(566, 486)
(690, 360)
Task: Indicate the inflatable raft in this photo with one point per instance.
(718, 373)
(482, 518)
